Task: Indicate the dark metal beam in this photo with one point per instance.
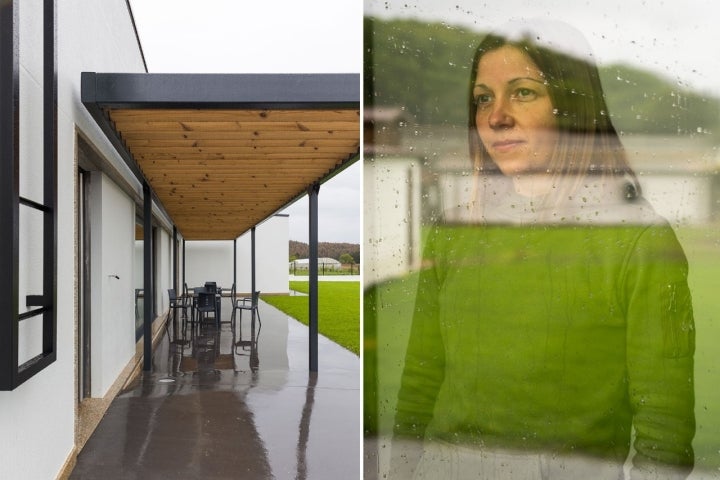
(313, 279)
(158, 90)
(147, 278)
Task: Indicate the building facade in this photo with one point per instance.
(73, 272)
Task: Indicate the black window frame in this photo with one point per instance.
(12, 373)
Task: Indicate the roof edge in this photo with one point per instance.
(206, 90)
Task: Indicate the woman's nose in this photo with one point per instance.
(500, 115)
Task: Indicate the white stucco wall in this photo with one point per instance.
(209, 261)
(271, 257)
(163, 276)
(38, 418)
(212, 260)
(391, 217)
(112, 216)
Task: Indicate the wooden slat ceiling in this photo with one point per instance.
(223, 152)
(219, 172)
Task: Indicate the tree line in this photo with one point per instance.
(325, 249)
(425, 67)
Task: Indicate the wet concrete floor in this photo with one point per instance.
(224, 404)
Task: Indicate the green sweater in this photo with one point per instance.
(554, 338)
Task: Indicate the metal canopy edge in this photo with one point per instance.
(204, 90)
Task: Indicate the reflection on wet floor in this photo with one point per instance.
(228, 403)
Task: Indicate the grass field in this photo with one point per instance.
(387, 315)
(338, 310)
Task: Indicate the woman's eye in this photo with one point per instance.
(483, 100)
(524, 94)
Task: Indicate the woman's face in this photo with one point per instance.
(514, 115)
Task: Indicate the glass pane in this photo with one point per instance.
(544, 222)
(30, 275)
(30, 334)
(31, 99)
(138, 280)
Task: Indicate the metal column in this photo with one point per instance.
(252, 262)
(313, 280)
(175, 261)
(147, 278)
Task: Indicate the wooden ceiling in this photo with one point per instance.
(220, 172)
(222, 153)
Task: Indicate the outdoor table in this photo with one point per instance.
(196, 292)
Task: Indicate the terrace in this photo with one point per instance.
(218, 155)
(208, 410)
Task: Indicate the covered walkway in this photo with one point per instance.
(209, 411)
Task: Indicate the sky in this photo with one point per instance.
(325, 36)
(674, 38)
(268, 36)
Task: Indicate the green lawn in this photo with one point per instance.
(338, 310)
(387, 313)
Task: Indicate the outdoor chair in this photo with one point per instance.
(247, 346)
(232, 296)
(206, 304)
(247, 303)
(176, 303)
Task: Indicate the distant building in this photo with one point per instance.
(323, 263)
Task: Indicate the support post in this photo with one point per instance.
(252, 261)
(234, 267)
(175, 260)
(147, 278)
(313, 192)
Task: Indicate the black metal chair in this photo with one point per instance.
(247, 346)
(206, 304)
(233, 299)
(177, 303)
(138, 296)
(247, 303)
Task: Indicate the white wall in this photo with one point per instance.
(209, 261)
(391, 217)
(163, 276)
(212, 260)
(164, 265)
(38, 418)
(112, 216)
(272, 238)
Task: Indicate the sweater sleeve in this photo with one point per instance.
(660, 349)
(424, 367)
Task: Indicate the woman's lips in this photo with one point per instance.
(506, 145)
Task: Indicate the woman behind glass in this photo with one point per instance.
(554, 321)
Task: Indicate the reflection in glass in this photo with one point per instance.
(552, 326)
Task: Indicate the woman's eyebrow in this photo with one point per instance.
(532, 79)
(513, 81)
